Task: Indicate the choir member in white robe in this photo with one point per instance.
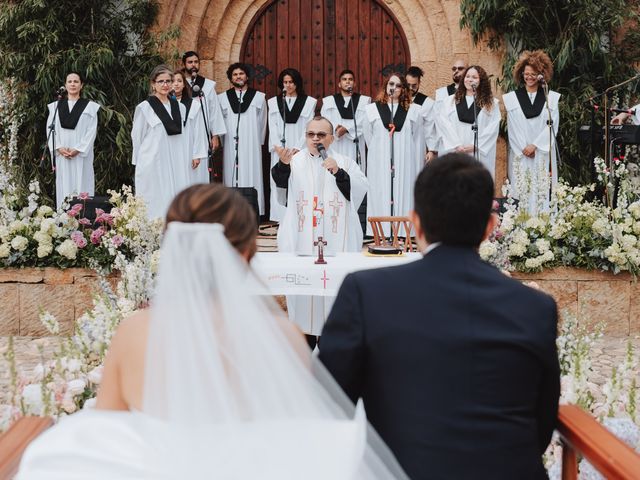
(186, 174)
(71, 142)
(339, 109)
(426, 139)
(442, 94)
(378, 134)
(159, 141)
(532, 146)
(456, 117)
(203, 91)
(288, 117)
(323, 197)
(244, 111)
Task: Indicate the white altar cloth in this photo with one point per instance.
(289, 274)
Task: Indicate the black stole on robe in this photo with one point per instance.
(419, 98)
(451, 89)
(385, 115)
(345, 110)
(294, 114)
(69, 120)
(247, 98)
(199, 81)
(529, 109)
(172, 123)
(465, 114)
(186, 101)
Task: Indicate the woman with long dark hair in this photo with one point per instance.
(75, 129)
(289, 113)
(473, 101)
(391, 127)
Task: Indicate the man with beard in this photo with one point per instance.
(244, 111)
(426, 136)
(442, 93)
(215, 122)
(339, 109)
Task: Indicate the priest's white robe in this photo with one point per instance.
(455, 133)
(345, 145)
(294, 138)
(154, 154)
(338, 224)
(529, 177)
(426, 137)
(199, 146)
(74, 175)
(378, 141)
(636, 117)
(251, 133)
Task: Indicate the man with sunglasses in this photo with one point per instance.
(442, 93)
(324, 191)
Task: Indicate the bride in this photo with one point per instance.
(211, 382)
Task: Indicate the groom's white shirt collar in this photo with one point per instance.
(430, 247)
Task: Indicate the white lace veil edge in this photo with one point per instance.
(221, 357)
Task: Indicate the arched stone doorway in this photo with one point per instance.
(321, 38)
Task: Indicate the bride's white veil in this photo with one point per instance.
(236, 383)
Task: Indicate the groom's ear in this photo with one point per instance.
(417, 225)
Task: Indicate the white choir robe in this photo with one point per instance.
(294, 138)
(379, 164)
(154, 154)
(339, 226)
(215, 122)
(345, 145)
(636, 117)
(426, 137)
(200, 145)
(455, 133)
(441, 95)
(252, 130)
(74, 175)
(531, 174)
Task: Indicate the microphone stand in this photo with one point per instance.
(237, 140)
(392, 131)
(474, 127)
(283, 140)
(51, 135)
(552, 137)
(207, 133)
(356, 140)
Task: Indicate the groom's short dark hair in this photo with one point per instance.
(453, 197)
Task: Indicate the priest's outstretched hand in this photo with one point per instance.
(285, 154)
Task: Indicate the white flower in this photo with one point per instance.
(542, 245)
(76, 387)
(48, 225)
(42, 237)
(44, 210)
(38, 372)
(487, 250)
(44, 250)
(50, 322)
(90, 403)
(19, 243)
(16, 226)
(73, 365)
(4, 250)
(68, 403)
(95, 375)
(4, 232)
(32, 398)
(67, 249)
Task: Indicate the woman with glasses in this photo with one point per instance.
(391, 126)
(161, 144)
(289, 113)
(471, 109)
(75, 128)
(532, 158)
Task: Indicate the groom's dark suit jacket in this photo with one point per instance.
(456, 364)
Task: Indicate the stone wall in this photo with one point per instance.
(593, 297)
(25, 292)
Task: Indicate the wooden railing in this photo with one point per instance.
(15, 440)
(582, 435)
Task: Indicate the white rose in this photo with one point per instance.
(19, 243)
(67, 249)
(95, 375)
(4, 232)
(487, 250)
(44, 250)
(32, 398)
(76, 387)
(48, 225)
(4, 250)
(15, 226)
(44, 210)
(42, 237)
(542, 245)
(73, 365)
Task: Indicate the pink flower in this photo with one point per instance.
(495, 206)
(104, 218)
(499, 234)
(117, 240)
(72, 212)
(77, 207)
(84, 221)
(99, 212)
(83, 196)
(78, 239)
(96, 235)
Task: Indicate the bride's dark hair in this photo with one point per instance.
(215, 203)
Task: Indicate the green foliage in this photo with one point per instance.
(593, 44)
(109, 43)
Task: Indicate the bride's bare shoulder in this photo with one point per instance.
(134, 325)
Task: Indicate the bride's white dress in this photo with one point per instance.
(227, 393)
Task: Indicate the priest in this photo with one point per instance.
(244, 111)
(324, 191)
(346, 110)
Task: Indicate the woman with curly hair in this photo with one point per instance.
(473, 100)
(532, 156)
(391, 121)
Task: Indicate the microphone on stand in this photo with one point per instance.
(629, 111)
(196, 91)
(350, 89)
(541, 79)
(61, 91)
(474, 87)
(172, 95)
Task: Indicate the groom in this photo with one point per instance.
(455, 361)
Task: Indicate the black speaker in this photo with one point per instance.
(89, 206)
(251, 195)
